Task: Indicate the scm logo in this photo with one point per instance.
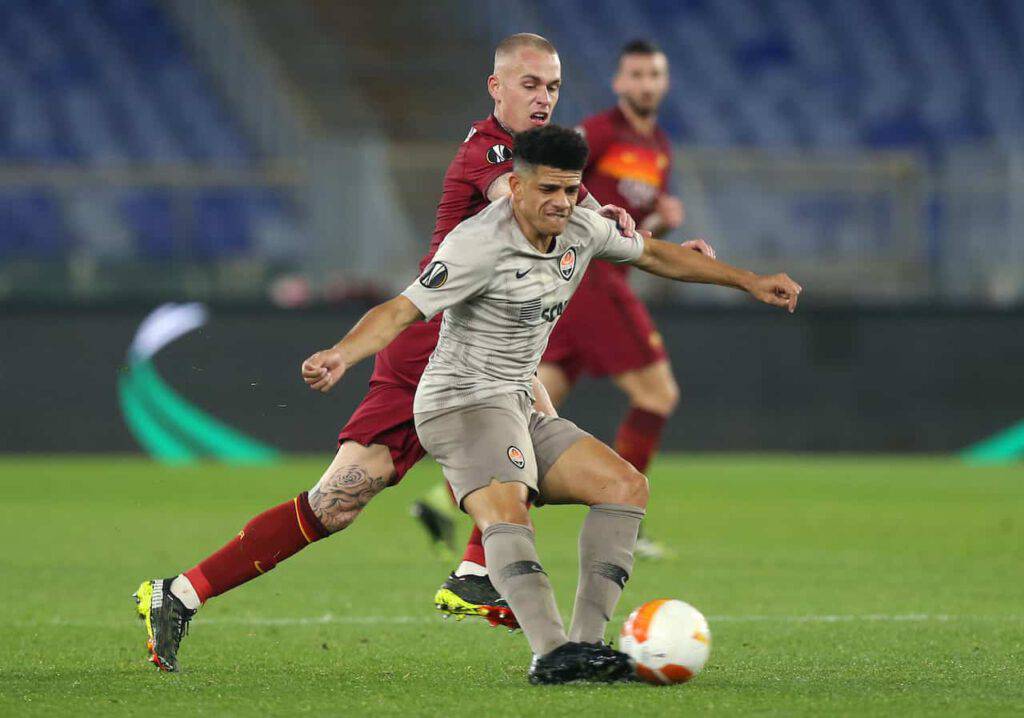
(553, 312)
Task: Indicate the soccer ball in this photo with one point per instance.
(668, 639)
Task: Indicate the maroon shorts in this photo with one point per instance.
(606, 330)
(384, 416)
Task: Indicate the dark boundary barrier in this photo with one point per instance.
(825, 379)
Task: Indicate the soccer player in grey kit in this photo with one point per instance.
(503, 278)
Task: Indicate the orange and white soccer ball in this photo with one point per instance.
(668, 639)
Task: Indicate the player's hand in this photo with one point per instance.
(776, 289)
(671, 211)
(699, 245)
(627, 225)
(323, 370)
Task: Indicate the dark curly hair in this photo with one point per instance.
(551, 146)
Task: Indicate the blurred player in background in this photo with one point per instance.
(379, 444)
(606, 330)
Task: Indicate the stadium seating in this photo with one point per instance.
(108, 83)
(101, 84)
(815, 73)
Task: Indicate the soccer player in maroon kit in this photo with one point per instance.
(379, 444)
(606, 330)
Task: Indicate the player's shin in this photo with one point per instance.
(606, 561)
(268, 539)
(517, 574)
(639, 436)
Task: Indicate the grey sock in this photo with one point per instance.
(606, 561)
(517, 574)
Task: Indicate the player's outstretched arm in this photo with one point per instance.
(373, 332)
(675, 262)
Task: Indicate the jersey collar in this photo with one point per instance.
(500, 125)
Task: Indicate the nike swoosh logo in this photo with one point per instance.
(521, 273)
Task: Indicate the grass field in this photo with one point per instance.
(832, 586)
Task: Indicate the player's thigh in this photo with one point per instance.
(589, 473)
(652, 387)
(354, 477)
(556, 381)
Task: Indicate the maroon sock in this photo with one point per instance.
(264, 542)
(639, 436)
(475, 548)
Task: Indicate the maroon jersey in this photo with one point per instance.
(606, 330)
(625, 167)
(384, 416)
(484, 156)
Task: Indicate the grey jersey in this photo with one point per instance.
(502, 298)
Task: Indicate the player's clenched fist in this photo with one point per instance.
(776, 289)
(323, 370)
(671, 210)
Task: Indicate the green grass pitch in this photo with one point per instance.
(848, 585)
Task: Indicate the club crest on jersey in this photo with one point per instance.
(434, 276)
(516, 457)
(498, 154)
(567, 264)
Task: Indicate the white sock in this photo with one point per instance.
(182, 588)
(470, 568)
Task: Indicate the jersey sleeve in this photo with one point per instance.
(486, 159)
(584, 193)
(459, 271)
(612, 246)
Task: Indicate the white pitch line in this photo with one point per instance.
(845, 618)
(331, 619)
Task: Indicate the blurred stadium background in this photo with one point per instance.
(281, 161)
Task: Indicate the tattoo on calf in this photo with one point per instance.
(339, 497)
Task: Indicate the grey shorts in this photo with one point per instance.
(500, 438)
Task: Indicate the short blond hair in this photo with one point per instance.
(507, 47)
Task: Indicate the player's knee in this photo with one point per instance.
(629, 487)
(507, 508)
(512, 514)
(657, 394)
(499, 503)
(662, 397)
(670, 396)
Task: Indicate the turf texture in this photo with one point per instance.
(840, 585)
